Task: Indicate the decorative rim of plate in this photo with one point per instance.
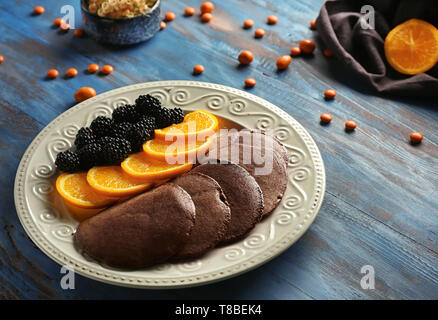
(185, 281)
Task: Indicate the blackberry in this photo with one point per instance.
(147, 105)
(83, 137)
(141, 132)
(102, 126)
(126, 113)
(121, 130)
(115, 150)
(67, 161)
(90, 155)
(166, 117)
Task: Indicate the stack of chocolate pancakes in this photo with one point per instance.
(216, 203)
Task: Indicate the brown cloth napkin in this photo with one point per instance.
(361, 50)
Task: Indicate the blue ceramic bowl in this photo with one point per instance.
(122, 31)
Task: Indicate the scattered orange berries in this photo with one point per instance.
(206, 17)
(1, 59)
(272, 19)
(250, 82)
(84, 93)
(163, 25)
(326, 118)
(328, 53)
(416, 137)
(283, 62)
(246, 57)
(248, 23)
(52, 73)
(189, 11)
(329, 94)
(350, 125)
(307, 46)
(313, 24)
(64, 26)
(207, 7)
(198, 69)
(92, 68)
(57, 22)
(259, 33)
(79, 33)
(107, 69)
(71, 72)
(169, 16)
(38, 10)
(295, 51)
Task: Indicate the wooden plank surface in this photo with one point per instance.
(381, 205)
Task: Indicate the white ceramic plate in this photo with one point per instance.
(50, 227)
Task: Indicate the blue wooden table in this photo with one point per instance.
(381, 204)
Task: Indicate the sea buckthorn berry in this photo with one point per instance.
(71, 72)
(206, 17)
(38, 10)
(326, 117)
(79, 33)
(307, 46)
(283, 62)
(84, 93)
(107, 69)
(272, 19)
(52, 73)
(350, 125)
(416, 137)
(57, 22)
(248, 23)
(329, 94)
(295, 51)
(163, 25)
(64, 26)
(246, 57)
(169, 16)
(207, 7)
(198, 69)
(313, 24)
(2, 59)
(250, 82)
(328, 53)
(92, 68)
(259, 33)
(189, 11)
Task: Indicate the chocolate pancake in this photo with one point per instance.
(243, 195)
(143, 231)
(265, 165)
(212, 214)
(256, 138)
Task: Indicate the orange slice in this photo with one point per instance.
(81, 214)
(412, 47)
(74, 189)
(196, 124)
(141, 166)
(112, 181)
(178, 151)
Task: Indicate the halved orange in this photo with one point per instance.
(81, 214)
(112, 181)
(178, 151)
(74, 189)
(412, 47)
(140, 165)
(197, 123)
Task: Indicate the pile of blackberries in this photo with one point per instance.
(108, 141)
